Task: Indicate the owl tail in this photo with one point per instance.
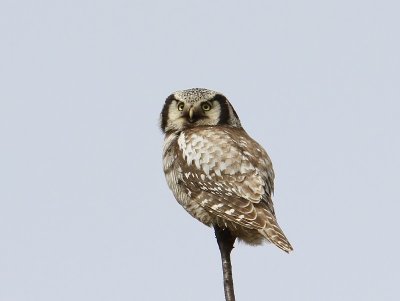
(274, 234)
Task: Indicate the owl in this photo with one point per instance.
(216, 171)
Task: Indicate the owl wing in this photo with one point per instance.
(230, 174)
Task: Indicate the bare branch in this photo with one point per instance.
(225, 243)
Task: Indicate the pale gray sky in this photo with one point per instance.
(85, 213)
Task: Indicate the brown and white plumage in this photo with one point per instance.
(215, 170)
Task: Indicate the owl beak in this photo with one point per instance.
(191, 112)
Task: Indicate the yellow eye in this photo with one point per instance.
(206, 106)
(181, 105)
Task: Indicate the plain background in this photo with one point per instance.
(85, 213)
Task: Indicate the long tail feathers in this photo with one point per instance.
(274, 234)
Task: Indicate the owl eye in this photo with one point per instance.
(181, 105)
(206, 106)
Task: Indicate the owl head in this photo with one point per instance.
(197, 107)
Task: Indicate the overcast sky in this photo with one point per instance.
(85, 213)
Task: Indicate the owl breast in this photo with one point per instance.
(177, 181)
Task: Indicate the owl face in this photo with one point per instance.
(197, 107)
